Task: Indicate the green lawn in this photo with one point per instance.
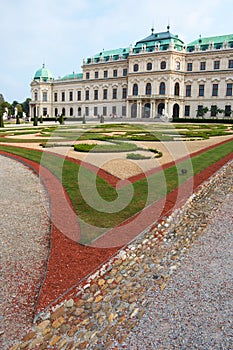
(145, 191)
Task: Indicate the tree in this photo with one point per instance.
(25, 105)
(215, 110)
(1, 98)
(201, 111)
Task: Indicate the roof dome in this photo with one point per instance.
(163, 39)
(43, 74)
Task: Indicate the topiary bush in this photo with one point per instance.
(137, 156)
(107, 148)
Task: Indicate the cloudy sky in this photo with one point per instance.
(60, 33)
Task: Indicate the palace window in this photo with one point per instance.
(135, 67)
(177, 65)
(115, 73)
(87, 95)
(162, 88)
(87, 111)
(186, 111)
(44, 96)
(95, 111)
(104, 111)
(87, 75)
(96, 94)
(36, 96)
(148, 89)
(213, 111)
(228, 111)
(79, 95)
(202, 65)
(124, 93)
(55, 96)
(216, 64)
(163, 65)
(63, 96)
(71, 95)
(189, 66)
(123, 111)
(135, 90)
(215, 90)
(79, 111)
(105, 94)
(149, 66)
(177, 89)
(188, 90)
(201, 90)
(125, 72)
(71, 112)
(105, 73)
(113, 110)
(114, 94)
(229, 89)
(200, 110)
(230, 64)
(44, 112)
(96, 75)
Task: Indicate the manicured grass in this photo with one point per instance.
(145, 191)
(106, 148)
(115, 132)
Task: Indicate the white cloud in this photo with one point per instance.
(61, 33)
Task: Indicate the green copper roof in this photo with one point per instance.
(217, 41)
(162, 39)
(106, 55)
(72, 76)
(43, 73)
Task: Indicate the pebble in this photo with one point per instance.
(127, 290)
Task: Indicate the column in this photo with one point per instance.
(139, 113)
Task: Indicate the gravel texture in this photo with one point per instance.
(195, 309)
(25, 242)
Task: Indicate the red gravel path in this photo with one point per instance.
(70, 262)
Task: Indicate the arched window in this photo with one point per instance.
(162, 88)
(79, 111)
(135, 90)
(56, 112)
(63, 112)
(149, 66)
(177, 65)
(177, 89)
(148, 89)
(135, 67)
(163, 65)
(71, 112)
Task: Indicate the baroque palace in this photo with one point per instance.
(160, 75)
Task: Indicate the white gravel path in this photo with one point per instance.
(25, 239)
(195, 310)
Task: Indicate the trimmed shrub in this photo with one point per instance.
(108, 148)
(137, 156)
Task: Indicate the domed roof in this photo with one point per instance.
(163, 39)
(43, 74)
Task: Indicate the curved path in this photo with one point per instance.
(70, 262)
(25, 239)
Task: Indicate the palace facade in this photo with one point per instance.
(159, 75)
